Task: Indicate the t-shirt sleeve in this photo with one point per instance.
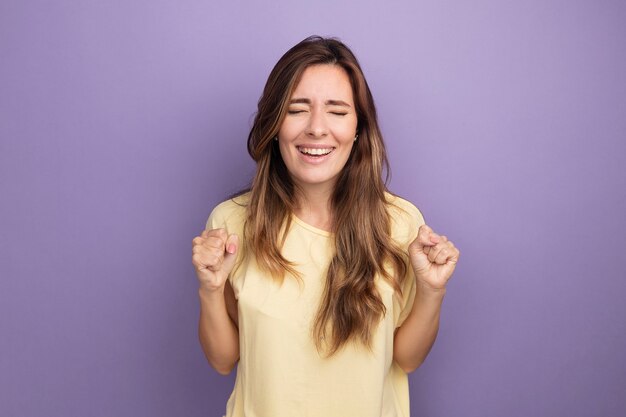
(215, 220)
(412, 220)
(226, 215)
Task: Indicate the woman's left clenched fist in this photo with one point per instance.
(433, 258)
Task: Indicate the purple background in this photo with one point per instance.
(123, 123)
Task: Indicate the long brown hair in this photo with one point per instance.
(351, 306)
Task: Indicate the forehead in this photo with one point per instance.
(324, 81)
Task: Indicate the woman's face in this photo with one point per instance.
(317, 134)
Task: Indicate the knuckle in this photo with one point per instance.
(214, 242)
(214, 259)
(196, 259)
(208, 241)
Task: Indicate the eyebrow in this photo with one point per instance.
(327, 102)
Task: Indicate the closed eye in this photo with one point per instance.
(336, 113)
(295, 111)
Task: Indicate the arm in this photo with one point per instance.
(433, 259)
(416, 336)
(218, 333)
(214, 255)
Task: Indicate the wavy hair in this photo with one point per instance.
(351, 306)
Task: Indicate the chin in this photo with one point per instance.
(312, 181)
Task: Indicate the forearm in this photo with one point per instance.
(417, 334)
(218, 335)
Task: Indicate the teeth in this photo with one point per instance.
(316, 151)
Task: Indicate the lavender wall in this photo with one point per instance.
(123, 123)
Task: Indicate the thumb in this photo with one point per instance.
(232, 245)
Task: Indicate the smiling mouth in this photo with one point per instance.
(316, 152)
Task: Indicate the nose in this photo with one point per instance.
(316, 127)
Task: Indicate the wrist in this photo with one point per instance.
(207, 293)
(426, 291)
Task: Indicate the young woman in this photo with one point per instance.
(323, 286)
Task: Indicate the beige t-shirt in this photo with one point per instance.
(280, 373)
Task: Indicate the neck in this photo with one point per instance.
(314, 206)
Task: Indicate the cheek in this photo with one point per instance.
(348, 148)
(286, 135)
(346, 131)
(284, 151)
(290, 129)
(346, 135)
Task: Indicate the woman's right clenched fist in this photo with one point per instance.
(214, 254)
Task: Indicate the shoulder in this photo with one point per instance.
(405, 218)
(230, 213)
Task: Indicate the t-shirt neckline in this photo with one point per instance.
(311, 228)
